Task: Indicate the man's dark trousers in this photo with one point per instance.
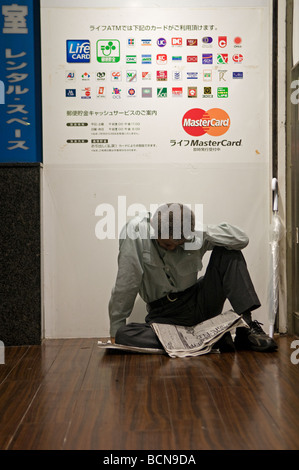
(226, 277)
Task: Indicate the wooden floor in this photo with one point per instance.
(68, 394)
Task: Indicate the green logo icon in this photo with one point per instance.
(162, 93)
(222, 92)
(108, 51)
(131, 59)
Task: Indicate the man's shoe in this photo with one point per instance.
(225, 343)
(254, 338)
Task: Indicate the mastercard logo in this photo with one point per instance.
(197, 122)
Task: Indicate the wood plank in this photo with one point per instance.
(25, 368)
(124, 400)
(105, 369)
(248, 425)
(13, 354)
(195, 420)
(16, 397)
(274, 383)
(39, 436)
(257, 376)
(55, 398)
(68, 394)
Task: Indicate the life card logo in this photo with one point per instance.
(78, 50)
(108, 51)
(197, 122)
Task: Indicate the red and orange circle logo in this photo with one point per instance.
(197, 122)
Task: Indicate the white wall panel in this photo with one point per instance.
(232, 183)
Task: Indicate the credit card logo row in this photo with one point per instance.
(108, 52)
(133, 76)
(147, 92)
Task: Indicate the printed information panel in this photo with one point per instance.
(183, 85)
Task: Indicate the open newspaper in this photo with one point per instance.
(183, 341)
(106, 344)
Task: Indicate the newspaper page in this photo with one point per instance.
(183, 341)
(107, 344)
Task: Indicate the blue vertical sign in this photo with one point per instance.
(20, 109)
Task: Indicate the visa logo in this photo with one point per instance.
(78, 50)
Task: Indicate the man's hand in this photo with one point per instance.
(112, 339)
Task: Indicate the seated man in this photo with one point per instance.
(160, 258)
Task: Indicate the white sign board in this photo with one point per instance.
(146, 106)
(188, 84)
